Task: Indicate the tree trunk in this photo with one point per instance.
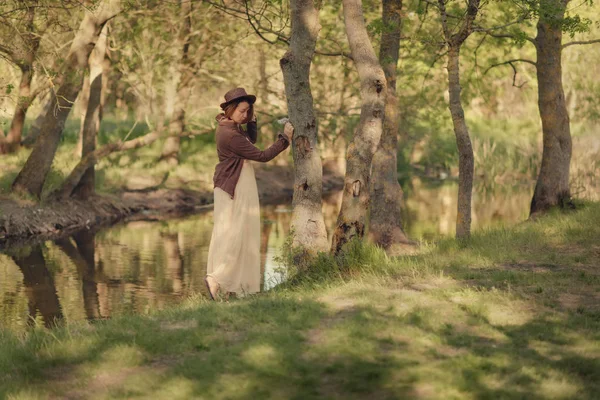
(30, 48)
(81, 106)
(463, 142)
(13, 139)
(310, 234)
(171, 146)
(33, 175)
(93, 115)
(385, 222)
(355, 202)
(552, 187)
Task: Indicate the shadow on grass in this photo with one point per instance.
(249, 349)
(439, 342)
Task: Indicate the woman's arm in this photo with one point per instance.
(241, 146)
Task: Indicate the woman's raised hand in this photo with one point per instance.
(288, 130)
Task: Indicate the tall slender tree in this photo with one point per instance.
(309, 227)
(172, 144)
(351, 222)
(385, 222)
(552, 186)
(93, 115)
(454, 41)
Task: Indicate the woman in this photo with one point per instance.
(234, 251)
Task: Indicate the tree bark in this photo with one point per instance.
(172, 144)
(463, 140)
(466, 162)
(93, 115)
(310, 234)
(355, 202)
(30, 47)
(552, 186)
(385, 222)
(33, 175)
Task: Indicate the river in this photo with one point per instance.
(143, 266)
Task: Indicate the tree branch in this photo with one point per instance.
(92, 158)
(506, 35)
(582, 42)
(511, 63)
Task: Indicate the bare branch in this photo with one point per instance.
(582, 42)
(512, 65)
(442, 7)
(507, 36)
(92, 158)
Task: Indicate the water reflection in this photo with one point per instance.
(40, 289)
(143, 266)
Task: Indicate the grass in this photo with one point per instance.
(512, 314)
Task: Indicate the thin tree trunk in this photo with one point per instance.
(172, 144)
(310, 234)
(93, 115)
(33, 175)
(385, 223)
(25, 63)
(13, 139)
(463, 141)
(465, 148)
(373, 89)
(81, 106)
(552, 186)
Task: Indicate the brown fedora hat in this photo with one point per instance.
(238, 93)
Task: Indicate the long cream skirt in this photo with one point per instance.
(234, 251)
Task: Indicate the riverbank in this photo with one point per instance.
(514, 313)
(23, 221)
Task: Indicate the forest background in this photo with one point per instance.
(143, 74)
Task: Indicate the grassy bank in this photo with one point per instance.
(515, 313)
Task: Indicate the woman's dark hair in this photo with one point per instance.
(230, 108)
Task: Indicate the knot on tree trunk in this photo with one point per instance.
(286, 59)
(303, 145)
(356, 188)
(379, 85)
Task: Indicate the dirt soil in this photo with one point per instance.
(26, 222)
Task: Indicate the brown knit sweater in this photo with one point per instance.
(234, 145)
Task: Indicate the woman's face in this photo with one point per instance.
(240, 115)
